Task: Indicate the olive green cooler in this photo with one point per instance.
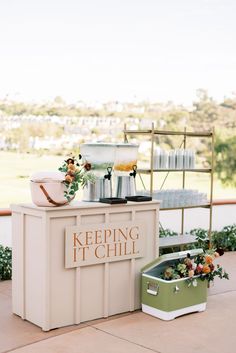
(169, 299)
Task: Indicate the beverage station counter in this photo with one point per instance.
(82, 261)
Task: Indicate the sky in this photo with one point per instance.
(123, 50)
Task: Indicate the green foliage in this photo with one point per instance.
(5, 263)
(21, 135)
(205, 111)
(225, 165)
(225, 239)
(205, 114)
(201, 237)
(218, 272)
(227, 111)
(166, 233)
(208, 114)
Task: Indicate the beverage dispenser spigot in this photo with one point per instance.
(133, 174)
(108, 175)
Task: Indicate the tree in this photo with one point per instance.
(205, 112)
(225, 165)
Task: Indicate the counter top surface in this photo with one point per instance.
(82, 205)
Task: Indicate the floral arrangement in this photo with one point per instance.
(200, 265)
(76, 175)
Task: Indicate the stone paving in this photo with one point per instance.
(208, 332)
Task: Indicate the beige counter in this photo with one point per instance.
(80, 262)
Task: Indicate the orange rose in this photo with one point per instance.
(208, 259)
(206, 269)
(68, 178)
(71, 166)
(191, 273)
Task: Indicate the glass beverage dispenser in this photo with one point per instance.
(101, 157)
(125, 167)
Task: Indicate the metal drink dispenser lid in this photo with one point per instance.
(126, 144)
(99, 154)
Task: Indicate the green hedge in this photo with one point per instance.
(223, 240)
(5, 263)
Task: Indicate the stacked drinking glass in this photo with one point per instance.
(174, 159)
(174, 198)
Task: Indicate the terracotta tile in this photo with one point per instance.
(190, 333)
(113, 317)
(208, 332)
(227, 261)
(87, 340)
(15, 332)
(5, 287)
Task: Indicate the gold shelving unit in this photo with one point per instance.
(152, 133)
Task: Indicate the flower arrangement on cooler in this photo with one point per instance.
(76, 175)
(200, 265)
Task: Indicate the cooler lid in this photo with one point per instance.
(172, 256)
(47, 177)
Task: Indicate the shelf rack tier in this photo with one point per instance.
(206, 205)
(176, 240)
(195, 170)
(172, 133)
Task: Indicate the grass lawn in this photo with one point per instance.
(15, 175)
(17, 168)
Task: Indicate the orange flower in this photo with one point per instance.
(71, 166)
(191, 273)
(206, 269)
(208, 259)
(68, 178)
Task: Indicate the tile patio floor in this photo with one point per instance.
(212, 331)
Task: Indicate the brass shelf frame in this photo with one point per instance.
(170, 133)
(196, 170)
(206, 205)
(153, 133)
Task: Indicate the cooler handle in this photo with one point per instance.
(152, 288)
